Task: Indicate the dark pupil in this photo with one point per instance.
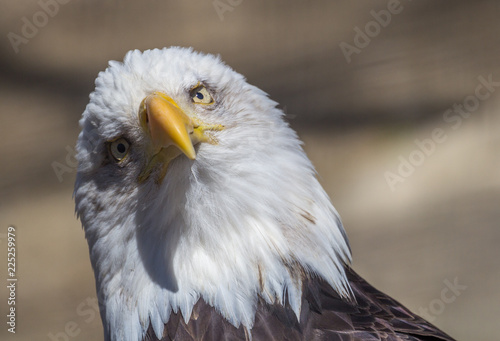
(121, 148)
(199, 95)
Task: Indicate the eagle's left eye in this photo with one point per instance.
(119, 148)
(200, 95)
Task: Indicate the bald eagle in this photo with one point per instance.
(204, 217)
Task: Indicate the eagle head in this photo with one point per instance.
(191, 186)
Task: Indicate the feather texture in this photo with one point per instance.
(324, 316)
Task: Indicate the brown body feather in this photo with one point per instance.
(324, 316)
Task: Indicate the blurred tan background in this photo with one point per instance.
(430, 240)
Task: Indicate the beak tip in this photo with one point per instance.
(188, 150)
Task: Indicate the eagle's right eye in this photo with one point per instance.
(119, 148)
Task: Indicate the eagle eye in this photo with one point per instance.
(200, 95)
(119, 148)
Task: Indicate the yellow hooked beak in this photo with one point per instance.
(168, 124)
(172, 132)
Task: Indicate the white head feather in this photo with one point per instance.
(227, 227)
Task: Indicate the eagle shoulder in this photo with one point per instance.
(325, 315)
